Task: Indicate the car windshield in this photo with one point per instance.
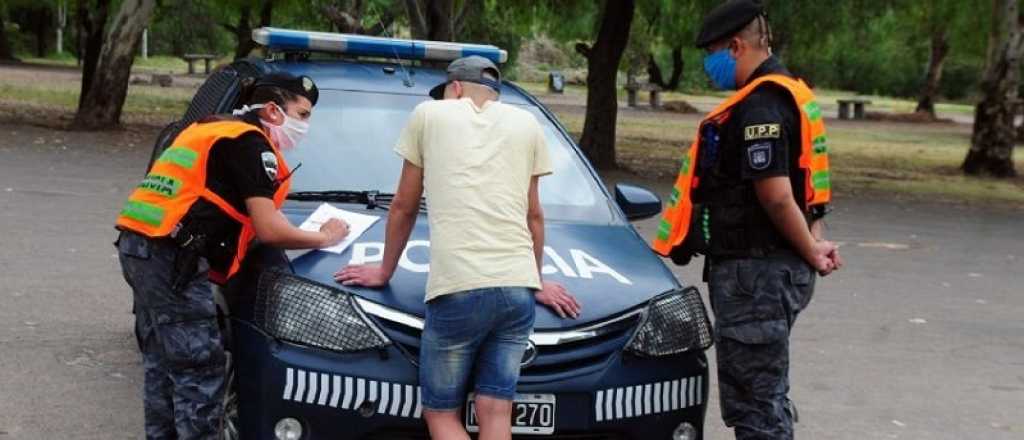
(350, 147)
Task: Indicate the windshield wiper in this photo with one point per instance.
(372, 199)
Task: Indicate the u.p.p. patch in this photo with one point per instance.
(761, 131)
(760, 155)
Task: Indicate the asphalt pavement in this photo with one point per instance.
(921, 336)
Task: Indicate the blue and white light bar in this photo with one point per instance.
(362, 45)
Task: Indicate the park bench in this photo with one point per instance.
(858, 107)
(191, 58)
(633, 88)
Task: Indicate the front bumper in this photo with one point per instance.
(373, 394)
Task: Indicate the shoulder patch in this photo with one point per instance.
(762, 131)
(269, 164)
(760, 155)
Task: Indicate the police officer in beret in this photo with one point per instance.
(751, 196)
(217, 187)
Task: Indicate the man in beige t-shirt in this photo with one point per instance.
(478, 161)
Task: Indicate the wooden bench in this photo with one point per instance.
(858, 107)
(191, 58)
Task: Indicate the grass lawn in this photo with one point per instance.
(916, 161)
(155, 63)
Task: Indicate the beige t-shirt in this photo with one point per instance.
(477, 166)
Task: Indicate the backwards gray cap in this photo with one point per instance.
(471, 69)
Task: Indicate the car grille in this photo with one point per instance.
(552, 362)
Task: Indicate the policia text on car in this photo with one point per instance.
(218, 187)
(750, 195)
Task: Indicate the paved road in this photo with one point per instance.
(921, 337)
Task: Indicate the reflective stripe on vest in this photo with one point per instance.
(177, 180)
(675, 221)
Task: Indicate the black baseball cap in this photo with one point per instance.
(726, 20)
(300, 85)
(473, 68)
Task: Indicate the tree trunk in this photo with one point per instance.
(92, 26)
(940, 48)
(993, 140)
(5, 48)
(598, 140)
(243, 30)
(437, 20)
(103, 100)
(677, 68)
(41, 20)
(656, 77)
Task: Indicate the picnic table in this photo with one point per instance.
(858, 107)
(191, 58)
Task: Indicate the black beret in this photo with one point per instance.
(299, 85)
(726, 20)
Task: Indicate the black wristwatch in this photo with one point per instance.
(819, 212)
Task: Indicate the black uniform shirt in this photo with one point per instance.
(761, 139)
(237, 169)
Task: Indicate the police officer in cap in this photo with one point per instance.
(751, 195)
(218, 187)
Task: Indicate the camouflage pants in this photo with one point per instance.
(176, 327)
(756, 302)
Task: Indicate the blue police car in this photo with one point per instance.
(314, 360)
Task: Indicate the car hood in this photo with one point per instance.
(609, 268)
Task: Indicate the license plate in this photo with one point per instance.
(531, 414)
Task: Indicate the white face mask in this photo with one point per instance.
(288, 134)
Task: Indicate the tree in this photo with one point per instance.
(992, 142)
(243, 29)
(439, 20)
(91, 16)
(937, 18)
(349, 16)
(603, 57)
(103, 96)
(6, 54)
(673, 24)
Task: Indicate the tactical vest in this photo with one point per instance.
(676, 219)
(177, 180)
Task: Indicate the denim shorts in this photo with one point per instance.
(477, 335)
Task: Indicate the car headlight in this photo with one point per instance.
(297, 310)
(675, 322)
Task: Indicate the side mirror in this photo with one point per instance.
(638, 203)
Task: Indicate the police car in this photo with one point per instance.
(315, 360)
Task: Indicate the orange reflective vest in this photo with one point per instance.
(178, 179)
(675, 221)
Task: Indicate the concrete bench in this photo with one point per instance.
(858, 107)
(191, 58)
(632, 90)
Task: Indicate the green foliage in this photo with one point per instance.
(187, 26)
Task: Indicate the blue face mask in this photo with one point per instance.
(721, 68)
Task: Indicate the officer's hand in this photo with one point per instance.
(334, 230)
(367, 276)
(837, 260)
(820, 257)
(554, 295)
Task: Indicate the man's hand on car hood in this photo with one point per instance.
(555, 296)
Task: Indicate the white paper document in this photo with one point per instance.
(357, 224)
